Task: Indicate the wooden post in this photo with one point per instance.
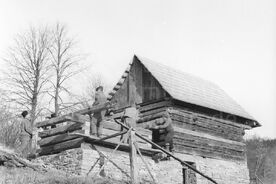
(133, 158)
(168, 153)
(185, 174)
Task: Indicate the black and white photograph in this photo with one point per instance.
(137, 92)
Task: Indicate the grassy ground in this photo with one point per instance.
(29, 176)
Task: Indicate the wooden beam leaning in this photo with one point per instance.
(112, 144)
(101, 139)
(72, 116)
(168, 153)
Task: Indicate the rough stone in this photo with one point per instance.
(79, 161)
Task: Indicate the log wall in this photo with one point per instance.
(196, 133)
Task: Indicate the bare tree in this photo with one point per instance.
(65, 63)
(28, 69)
(87, 97)
(94, 82)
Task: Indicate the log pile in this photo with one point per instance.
(60, 138)
(10, 159)
(57, 139)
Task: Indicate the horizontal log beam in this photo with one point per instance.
(208, 123)
(72, 116)
(196, 141)
(208, 130)
(53, 121)
(56, 148)
(57, 138)
(152, 112)
(112, 144)
(207, 136)
(60, 130)
(231, 123)
(206, 153)
(155, 101)
(155, 106)
(150, 117)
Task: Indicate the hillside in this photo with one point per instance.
(16, 170)
(261, 160)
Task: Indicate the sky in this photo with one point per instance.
(229, 42)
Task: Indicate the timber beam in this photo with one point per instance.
(112, 144)
(75, 116)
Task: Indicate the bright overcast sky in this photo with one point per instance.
(229, 42)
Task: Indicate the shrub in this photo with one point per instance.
(9, 132)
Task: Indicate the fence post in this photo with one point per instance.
(133, 158)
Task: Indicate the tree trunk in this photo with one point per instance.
(57, 92)
(56, 102)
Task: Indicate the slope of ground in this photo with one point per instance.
(261, 160)
(16, 170)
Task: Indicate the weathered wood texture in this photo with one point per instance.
(224, 134)
(76, 116)
(207, 124)
(151, 88)
(155, 105)
(56, 148)
(57, 138)
(60, 130)
(145, 150)
(214, 113)
(58, 135)
(154, 110)
(191, 144)
(133, 158)
(136, 86)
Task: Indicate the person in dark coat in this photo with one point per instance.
(96, 125)
(162, 127)
(25, 135)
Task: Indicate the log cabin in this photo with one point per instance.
(208, 123)
(208, 130)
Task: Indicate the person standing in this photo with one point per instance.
(162, 127)
(96, 125)
(25, 136)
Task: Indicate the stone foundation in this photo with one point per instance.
(69, 161)
(79, 161)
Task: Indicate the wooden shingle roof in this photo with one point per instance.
(191, 89)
